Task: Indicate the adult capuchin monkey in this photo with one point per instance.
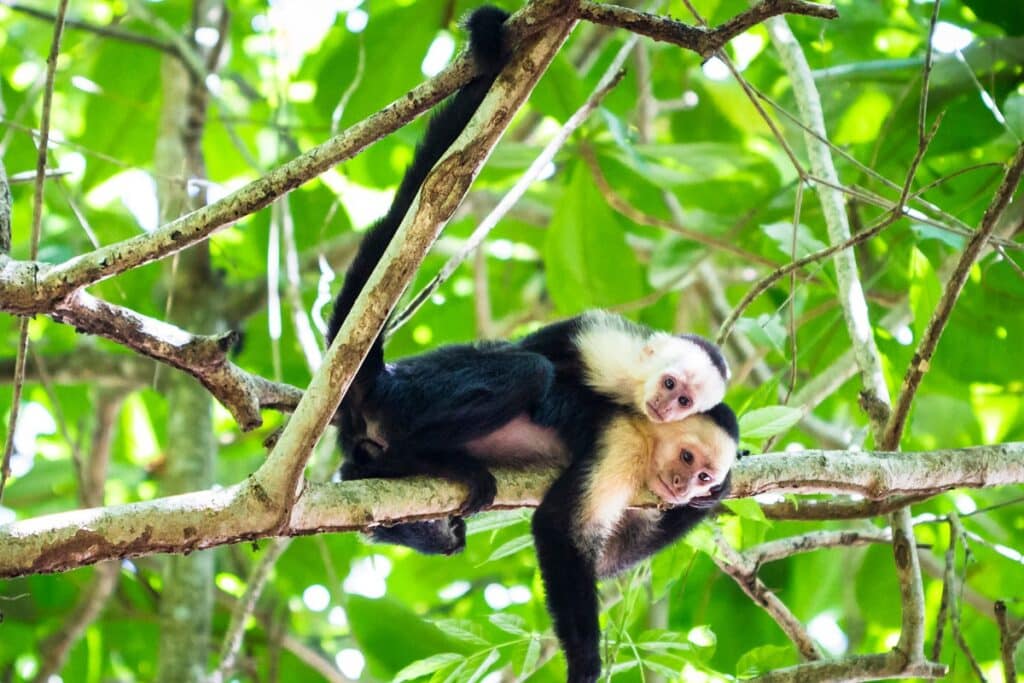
(421, 415)
(611, 401)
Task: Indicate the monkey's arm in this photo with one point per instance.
(569, 578)
(641, 533)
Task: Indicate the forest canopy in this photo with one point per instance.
(827, 191)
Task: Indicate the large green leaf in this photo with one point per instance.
(588, 260)
(392, 636)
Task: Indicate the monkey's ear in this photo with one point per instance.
(647, 351)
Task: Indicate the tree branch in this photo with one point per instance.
(819, 510)
(851, 669)
(744, 573)
(437, 200)
(203, 357)
(208, 518)
(814, 540)
(704, 42)
(608, 81)
(930, 340)
(105, 31)
(1008, 641)
(5, 212)
(28, 287)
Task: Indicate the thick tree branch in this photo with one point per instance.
(704, 42)
(203, 357)
(441, 193)
(819, 510)
(216, 517)
(608, 81)
(852, 669)
(28, 287)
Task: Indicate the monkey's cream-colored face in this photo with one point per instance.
(681, 380)
(690, 457)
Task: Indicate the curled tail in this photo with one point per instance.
(488, 48)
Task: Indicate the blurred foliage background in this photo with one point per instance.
(292, 72)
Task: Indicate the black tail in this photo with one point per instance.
(487, 45)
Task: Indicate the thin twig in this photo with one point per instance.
(5, 211)
(745, 575)
(782, 548)
(954, 286)
(244, 608)
(37, 222)
(768, 280)
(44, 128)
(105, 31)
(948, 581)
(1007, 643)
(609, 80)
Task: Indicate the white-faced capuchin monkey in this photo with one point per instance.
(417, 415)
(583, 529)
(597, 394)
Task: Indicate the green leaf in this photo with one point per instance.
(782, 234)
(494, 520)
(1013, 110)
(462, 629)
(532, 657)
(425, 667)
(925, 291)
(746, 508)
(587, 258)
(511, 547)
(510, 623)
(766, 330)
(660, 640)
(765, 658)
(378, 625)
(485, 666)
(764, 422)
(1006, 15)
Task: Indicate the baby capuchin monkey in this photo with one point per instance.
(428, 414)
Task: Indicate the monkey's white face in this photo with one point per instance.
(681, 380)
(690, 458)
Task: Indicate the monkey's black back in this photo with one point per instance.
(571, 407)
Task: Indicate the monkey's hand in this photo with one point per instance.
(482, 489)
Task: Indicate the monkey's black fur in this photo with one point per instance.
(418, 415)
(429, 406)
(571, 566)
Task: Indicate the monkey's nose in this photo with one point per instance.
(677, 482)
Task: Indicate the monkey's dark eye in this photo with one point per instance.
(669, 383)
(687, 457)
(704, 477)
(685, 401)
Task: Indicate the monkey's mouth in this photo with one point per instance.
(666, 493)
(654, 413)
